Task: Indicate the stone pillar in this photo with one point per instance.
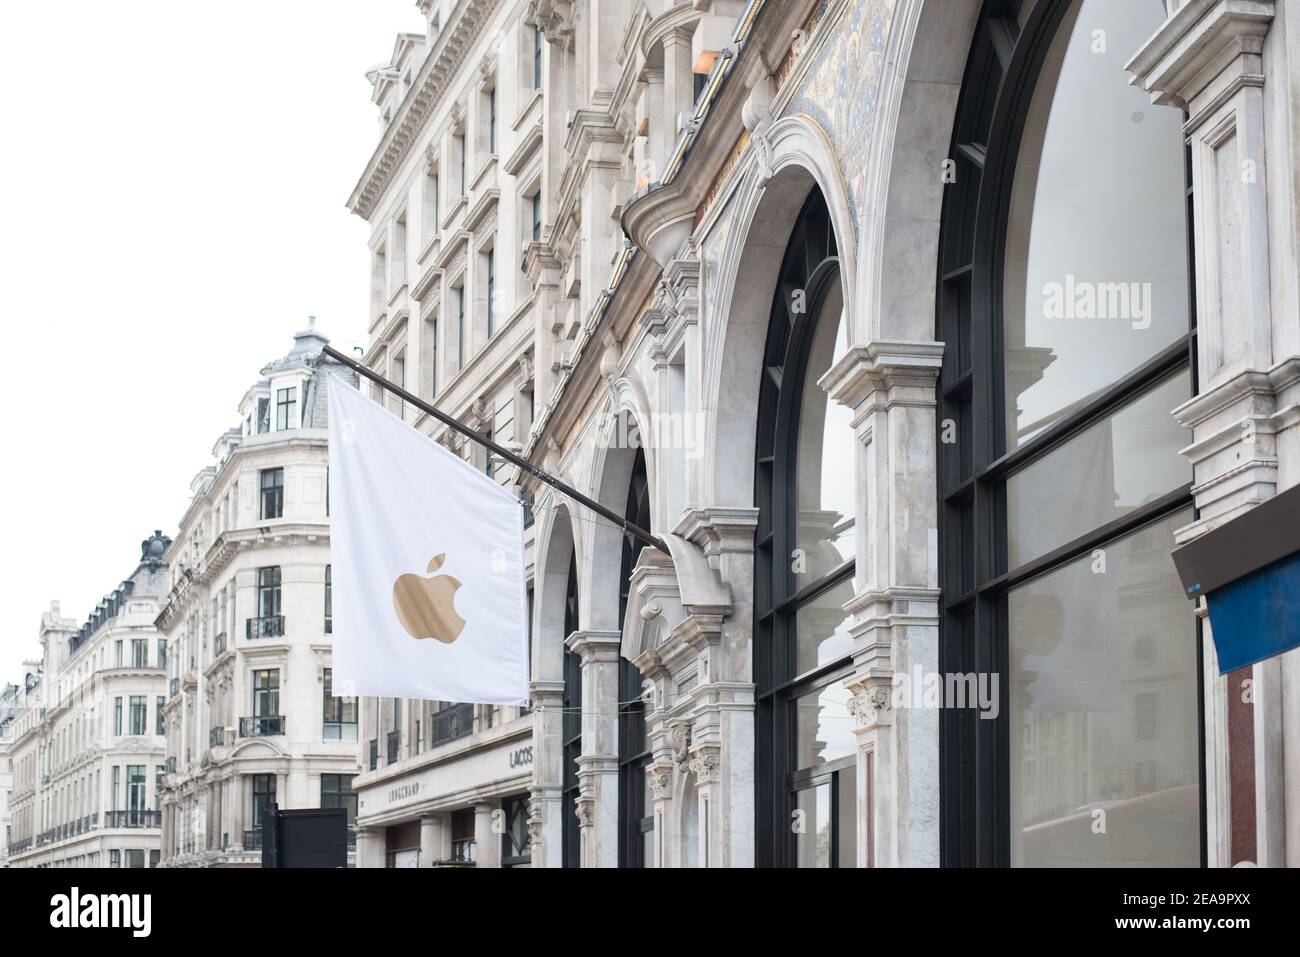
(487, 839)
(370, 847)
(237, 797)
(1231, 66)
(545, 826)
(598, 765)
(660, 778)
(890, 386)
(430, 840)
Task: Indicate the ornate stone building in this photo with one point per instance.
(921, 331)
(250, 717)
(84, 736)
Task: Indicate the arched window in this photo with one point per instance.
(805, 560)
(571, 726)
(635, 811)
(1065, 303)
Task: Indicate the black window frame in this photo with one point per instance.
(286, 408)
(263, 794)
(336, 791)
(269, 591)
(571, 726)
(271, 485)
(811, 264)
(515, 811)
(1001, 77)
(635, 820)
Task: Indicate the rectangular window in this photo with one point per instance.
(135, 796)
(286, 409)
(114, 858)
(329, 599)
(162, 652)
(537, 58)
(459, 293)
(336, 791)
(515, 842)
(272, 493)
(432, 330)
(116, 794)
(268, 592)
(263, 414)
(158, 724)
(492, 121)
(139, 653)
(459, 146)
(340, 714)
(117, 715)
(537, 216)
(491, 290)
(157, 787)
(117, 652)
(263, 798)
(139, 713)
(266, 693)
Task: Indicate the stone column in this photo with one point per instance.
(237, 797)
(545, 826)
(598, 765)
(370, 847)
(487, 839)
(430, 840)
(1231, 66)
(890, 386)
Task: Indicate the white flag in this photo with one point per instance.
(428, 565)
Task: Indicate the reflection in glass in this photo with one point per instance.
(1121, 463)
(1096, 253)
(823, 726)
(813, 843)
(824, 530)
(846, 783)
(822, 629)
(1104, 711)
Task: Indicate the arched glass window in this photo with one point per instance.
(635, 809)
(571, 730)
(1065, 302)
(805, 549)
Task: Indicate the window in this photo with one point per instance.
(117, 653)
(1070, 332)
(114, 858)
(286, 409)
(431, 333)
(336, 791)
(459, 293)
(117, 715)
(162, 653)
(116, 794)
(340, 714)
(268, 592)
(492, 121)
(159, 702)
(135, 796)
(462, 836)
(139, 653)
(263, 797)
(536, 203)
(516, 849)
(537, 58)
(571, 726)
(805, 491)
(157, 787)
(490, 262)
(266, 692)
(272, 493)
(329, 599)
(635, 818)
(458, 144)
(263, 414)
(139, 713)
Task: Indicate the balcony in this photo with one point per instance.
(394, 741)
(174, 687)
(132, 819)
(451, 723)
(339, 731)
(261, 726)
(270, 626)
(219, 645)
(253, 840)
(217, 737)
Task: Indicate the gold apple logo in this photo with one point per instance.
(426, 606)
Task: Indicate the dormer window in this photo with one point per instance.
(263, 414)
(286, 409)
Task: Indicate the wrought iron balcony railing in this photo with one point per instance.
(270, 626)
(261, 726)
(253, 840)
(136, 818)
(451, 723)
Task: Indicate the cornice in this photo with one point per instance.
(440, 67)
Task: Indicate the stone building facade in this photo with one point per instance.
(921, 331)
(250, 717)
(84, 737)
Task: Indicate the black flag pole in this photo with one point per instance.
(562, 487)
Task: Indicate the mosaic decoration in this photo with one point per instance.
(839, 90)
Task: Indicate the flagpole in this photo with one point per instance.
(562, 487)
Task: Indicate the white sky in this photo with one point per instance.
(175, 177)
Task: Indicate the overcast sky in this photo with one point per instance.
(174, 177)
